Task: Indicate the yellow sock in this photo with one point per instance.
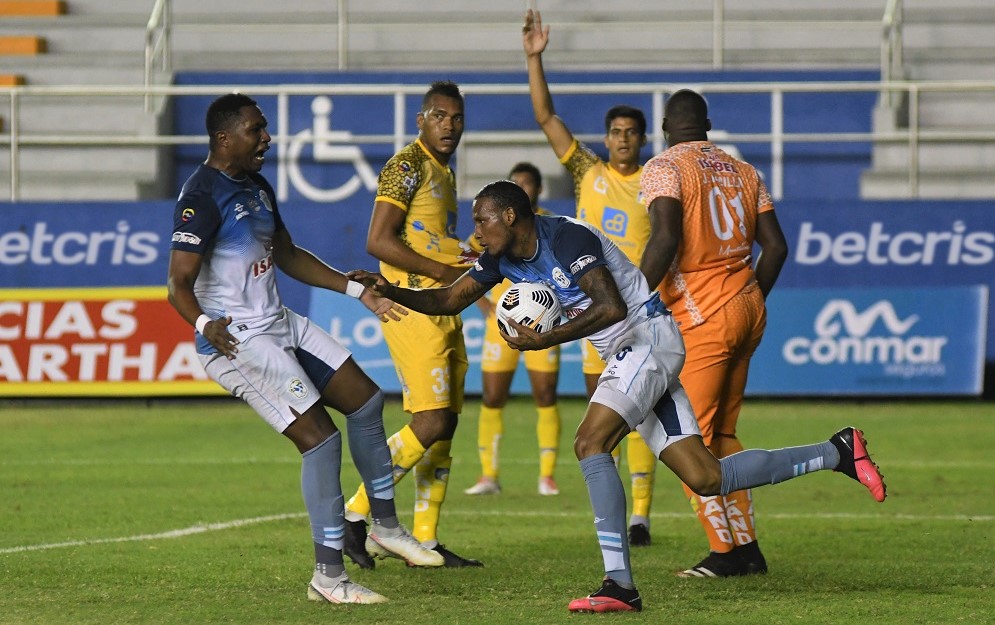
(548, 433)
(712, 516)
(431, 481)
(739, 511)
(489, 430)
(642, 466)
(405, 452)
(617, 455)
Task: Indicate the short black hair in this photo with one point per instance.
(526, 167)
(224, 111)
(445, 88)
(687, 104)
(623, 110)
(506, 193)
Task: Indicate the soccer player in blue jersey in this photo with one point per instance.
(606, 299)
(228, 239)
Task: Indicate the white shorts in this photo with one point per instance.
(280, 370)
(640, 382)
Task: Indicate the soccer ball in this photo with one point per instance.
(530, 304)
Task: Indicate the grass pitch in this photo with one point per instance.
(174, 512)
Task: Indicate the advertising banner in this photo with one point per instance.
(96, 341)
(872, 341)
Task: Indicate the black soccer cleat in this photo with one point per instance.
(454, 561)
(609, 598)
(639, 536)
(354, 544)
(753, 560)
(717, 565)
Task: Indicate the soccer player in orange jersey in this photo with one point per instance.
(707, 210)
(607, 198)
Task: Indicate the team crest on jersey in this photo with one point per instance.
(187, 214)
(581, 262)
(264, 198)
(560, 278)
(297, 387)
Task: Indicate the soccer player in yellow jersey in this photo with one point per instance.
(413, 234)
(708, 210)
(608, 198)
(498, 363)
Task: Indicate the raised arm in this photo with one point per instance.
(534, 41)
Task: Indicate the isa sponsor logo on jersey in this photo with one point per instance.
(864, 341)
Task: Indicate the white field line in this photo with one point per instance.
(217, 527)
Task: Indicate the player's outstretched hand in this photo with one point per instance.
(386, 309)
(216, 332)
(534, 37)
(527, 339)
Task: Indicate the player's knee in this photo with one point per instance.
(585, 446)
(545, 396)
(705, 482)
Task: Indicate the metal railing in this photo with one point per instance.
(892, 46)
(912, 137)
(157, 49)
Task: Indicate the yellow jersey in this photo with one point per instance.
(609, 201)
(425, 189)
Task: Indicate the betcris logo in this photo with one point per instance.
(878, 245)
(872, 341)
(614, 222)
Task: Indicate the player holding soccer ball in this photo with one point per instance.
(607, 197)
(498, 363)
(605, 298)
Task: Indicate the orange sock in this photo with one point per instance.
(711, 513)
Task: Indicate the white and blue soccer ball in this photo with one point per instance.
(531, 304)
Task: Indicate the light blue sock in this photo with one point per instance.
(756, 467)
(320, 467)
(608, 501)
(371, 455)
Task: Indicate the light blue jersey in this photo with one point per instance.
(231, 223)
(566, 250)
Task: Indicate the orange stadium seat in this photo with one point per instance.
(11, 80)
(22, 45)
(31, 8)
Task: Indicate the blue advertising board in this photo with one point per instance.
(355, 327)
(872, 341)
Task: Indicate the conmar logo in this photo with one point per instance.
(876, 335)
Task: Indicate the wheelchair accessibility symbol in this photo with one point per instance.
(329, 146)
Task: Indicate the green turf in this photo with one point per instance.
(114, 479)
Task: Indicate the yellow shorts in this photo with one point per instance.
(430, 358)
(497, 357)
(592, 363)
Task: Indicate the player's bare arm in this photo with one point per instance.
(607, 307)
(184, 267)
(383, 242)
(303, 266)
(534, 41)
(665, 236)
(773, 251)
(448, 300)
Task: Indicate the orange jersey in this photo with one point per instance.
(721, 198)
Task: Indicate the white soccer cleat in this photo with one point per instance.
(404, 546)
(484, 486)
(547, 486)
(340, 590)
